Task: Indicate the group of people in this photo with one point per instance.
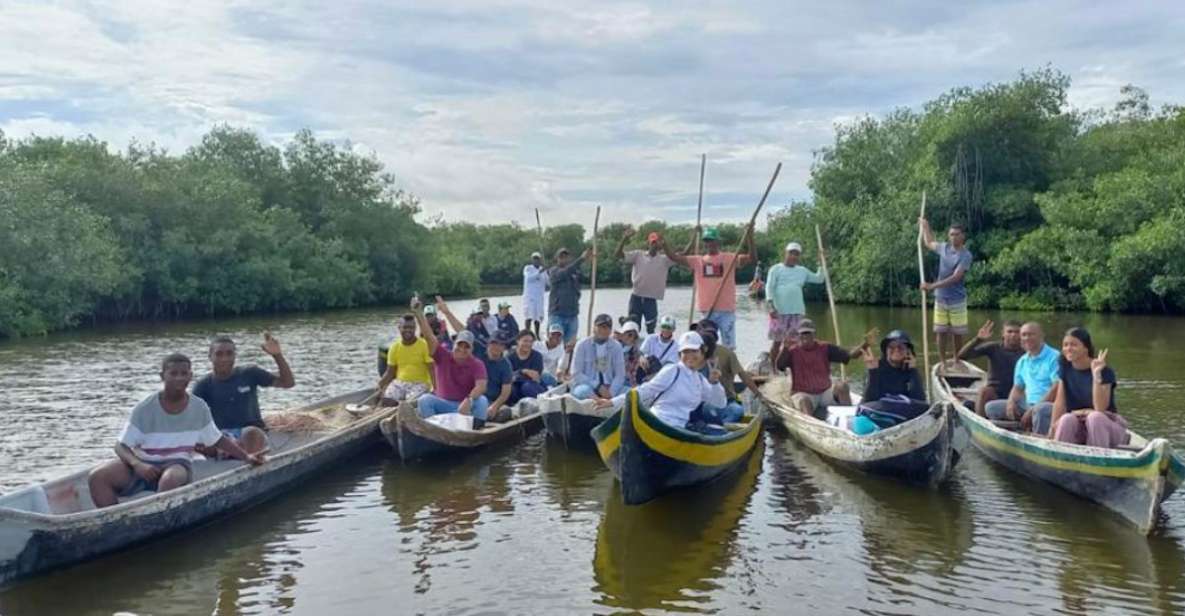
(218, 417)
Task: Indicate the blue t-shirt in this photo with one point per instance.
(498, 373)
(949, 260)
(1037, 374)
(234, 402)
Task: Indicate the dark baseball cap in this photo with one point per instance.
(603, 319)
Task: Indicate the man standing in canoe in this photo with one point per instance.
(534, 286)
(950, 294)
(1002, 357)
(409, 362)
(715, 280)
(564, 301)
(460, 377)
(233, 391)
(783, 291)
(648, 275)
(155, 450)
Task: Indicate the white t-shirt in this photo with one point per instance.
(554, 360)
(667, 351)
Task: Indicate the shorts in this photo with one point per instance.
(402, 390)
(818, 401)
(784, 327)
(139, 484)
(950, 318)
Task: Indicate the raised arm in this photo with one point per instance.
(417, 309)
(984, 333)
(750, 253)
(927, 234)
(619, 252)
(285, 379)
(442, 308)
(1101, 389)
(680, 259)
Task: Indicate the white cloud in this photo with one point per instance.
(488, 110)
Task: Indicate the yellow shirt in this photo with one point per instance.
(411, 361)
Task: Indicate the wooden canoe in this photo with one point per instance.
(1131, 481)
(650, 457)
(414, 437)
(569, 419)
(54, 524)
(917, 451)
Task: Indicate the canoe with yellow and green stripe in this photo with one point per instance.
(1131, 481)
(650, 457)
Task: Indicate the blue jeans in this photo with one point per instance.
(726, 323)
(549, 380)
(1042, 413)
(584, 392)
(431, 404)
(731, 413)
(570, 325)
(644, 309)
(525, 389)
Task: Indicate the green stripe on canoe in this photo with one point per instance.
(1110, 466)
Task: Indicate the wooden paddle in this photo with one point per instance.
(744, 236)
(592, 294)
(843, 371)
(699, 210)
(365, 406)
(922, 277)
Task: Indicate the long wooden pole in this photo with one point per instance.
(592, 294)
(699, 210)
(539, 224)
(843, 371)
(922, 277)
(744, 237)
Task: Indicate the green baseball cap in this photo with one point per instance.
(711, 234)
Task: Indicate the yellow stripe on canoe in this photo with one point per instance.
(1150, 470)
(701, 454)
(609, 445)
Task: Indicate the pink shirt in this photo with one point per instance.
(710, 279)
(454, 380)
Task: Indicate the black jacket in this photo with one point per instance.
(885, 380)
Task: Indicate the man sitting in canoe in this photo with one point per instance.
(724, 360)
(555, 355)
(527, 363)
(1084, 410)
(679, 392)
(155, 450)
(1034, 383)
(809, 362)
(409, 363)
(460, 378)
(598, 363)
(232, 392)
(506, 321)
(627, 337)
(490, 321)
(499, 374)
(659, 349)
(895, 391)
(1002, 357)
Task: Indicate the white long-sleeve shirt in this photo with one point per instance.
(675, 392)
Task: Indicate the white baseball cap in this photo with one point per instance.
(690, 341)
(794, 246)
(536, 255)
(629, 326)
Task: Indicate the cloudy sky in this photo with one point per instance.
(488, 109)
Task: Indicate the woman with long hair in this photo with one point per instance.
(1084, 410)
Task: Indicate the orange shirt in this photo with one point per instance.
(709, 273)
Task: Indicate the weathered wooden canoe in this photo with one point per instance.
(569, 419)
(917, 451)
(1131, 481)
(649, 456)
(54, 524)
(414, 437)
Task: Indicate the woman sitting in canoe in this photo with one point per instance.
(894, 392)
(1084, 409)
(678, 392)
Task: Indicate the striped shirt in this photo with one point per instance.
(154, 434)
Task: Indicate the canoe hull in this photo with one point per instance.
(918, 451)
(413, 437)
(571, 420)
(1131, 484)
(32, 543)
(649, 457)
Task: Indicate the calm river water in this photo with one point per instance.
(539, 529)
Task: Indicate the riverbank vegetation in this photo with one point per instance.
(1065, 209)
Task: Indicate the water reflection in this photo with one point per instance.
(671, 553)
